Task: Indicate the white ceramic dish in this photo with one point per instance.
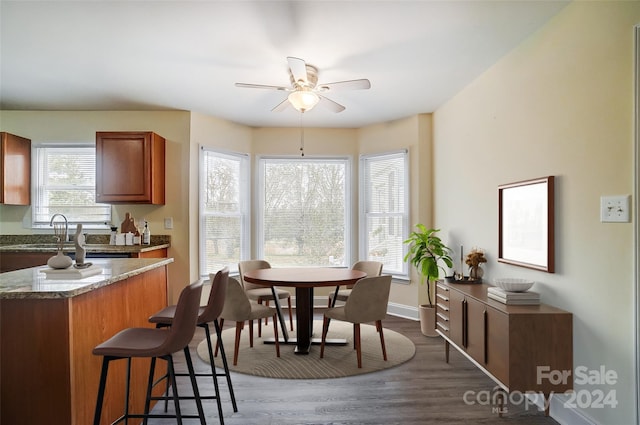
(513, 284)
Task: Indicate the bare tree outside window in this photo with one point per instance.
(65, 184)
(223, 210)
(304, 213)
(384, 209)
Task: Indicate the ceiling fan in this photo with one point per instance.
(305, 93)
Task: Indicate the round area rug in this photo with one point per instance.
(339, 360)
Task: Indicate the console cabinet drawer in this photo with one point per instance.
(442, 308)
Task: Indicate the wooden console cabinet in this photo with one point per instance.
(507, 342)
(15, 166)
(130, 167)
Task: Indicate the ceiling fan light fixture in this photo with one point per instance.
(303, 100)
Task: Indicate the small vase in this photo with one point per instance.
(476, 272)
(59, 261)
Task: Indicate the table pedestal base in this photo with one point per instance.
(300, 349)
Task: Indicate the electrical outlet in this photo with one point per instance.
(168, 222)
(614, 209)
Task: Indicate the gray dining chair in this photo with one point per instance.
(367, 303)
(260, 293)
(371, 268)
(239, 309)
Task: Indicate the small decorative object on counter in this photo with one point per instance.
(128, 225)
(114, 232)
(79, 243)
(474, 259)
(60, 261)
(146, 234)
(128, 238)
(137, 237)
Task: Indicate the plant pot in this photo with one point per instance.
(427, 320)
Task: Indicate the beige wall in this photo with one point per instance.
(560, 104)
(214, 133)
(413, 134)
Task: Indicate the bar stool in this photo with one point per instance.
(154, 343)
(207, 314)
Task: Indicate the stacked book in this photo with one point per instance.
(514, 298)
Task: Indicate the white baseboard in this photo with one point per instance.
(561, 414)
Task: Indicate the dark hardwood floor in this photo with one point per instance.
(423, 390)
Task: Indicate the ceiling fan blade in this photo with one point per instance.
(332, 105)
(261, 86)
(298, 69)
(281, 106)
(361, 84)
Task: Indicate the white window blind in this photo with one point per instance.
(303, 219)
(384, 209)
(65, 184)
(224, 210)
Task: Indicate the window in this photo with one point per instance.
(224, 210)
(65, 184)
(303, 218)
(384, 209)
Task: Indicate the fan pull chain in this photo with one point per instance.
(301, 135)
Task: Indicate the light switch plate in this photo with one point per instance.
(614, 209)
(168, 222)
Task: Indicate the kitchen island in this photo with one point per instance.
(48, 328)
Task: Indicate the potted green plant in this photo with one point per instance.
(426, 252)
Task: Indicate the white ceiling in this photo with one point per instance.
(187, 55)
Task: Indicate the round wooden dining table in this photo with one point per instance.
(303, 279)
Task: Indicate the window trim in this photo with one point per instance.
(362, 202)
(244, 199)
(258, 237)
(35, 188)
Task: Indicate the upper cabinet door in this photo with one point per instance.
(130, 168)
(15, 170)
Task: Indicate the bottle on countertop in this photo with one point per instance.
(146, 234)
(114, 232)
(137, 237)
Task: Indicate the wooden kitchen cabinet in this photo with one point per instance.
(15, 163)
(507, 342)
(10, 261)
(130, 168)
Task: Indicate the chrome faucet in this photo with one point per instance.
(66, 224)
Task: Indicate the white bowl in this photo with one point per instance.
(514, 284)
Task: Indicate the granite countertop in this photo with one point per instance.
(94, 243)
(70, 247)
(33, 283)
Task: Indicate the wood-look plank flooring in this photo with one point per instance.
(423, 390)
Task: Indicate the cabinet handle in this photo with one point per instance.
(442, 317)
(442, 297)
(464, 323)
(484, 326)
(442, 306)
